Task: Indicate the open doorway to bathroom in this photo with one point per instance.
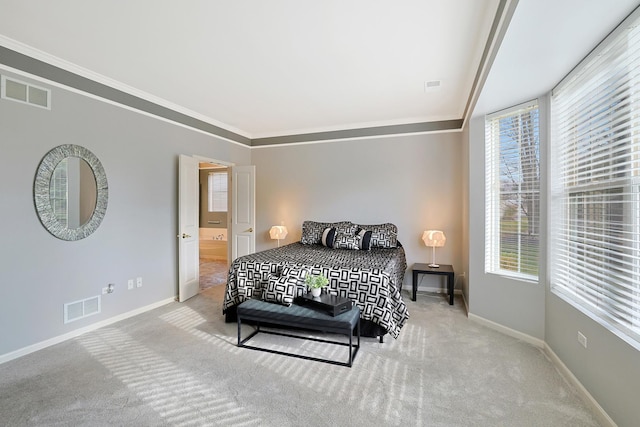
(213, 224)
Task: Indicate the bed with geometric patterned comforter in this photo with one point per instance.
(372, 279)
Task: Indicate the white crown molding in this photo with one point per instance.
(352, 138)
(351, 126)
(99, 78)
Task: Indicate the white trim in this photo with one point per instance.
(99, 78)
(564, 371)
(441, 290)
(223, 163)
(600, 413)
(355, 138)
(529, 105)
(507, 331)
(116, 104)
(76, 333)
(351, 126)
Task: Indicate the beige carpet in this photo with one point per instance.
(178, 365)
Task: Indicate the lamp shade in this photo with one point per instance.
(434, 238)
(278, 232)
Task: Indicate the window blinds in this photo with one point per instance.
(595, 183)
(513, 192)
(218, 191)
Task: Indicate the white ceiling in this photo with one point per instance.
(544, 41)
(268, 68)
(279, 67)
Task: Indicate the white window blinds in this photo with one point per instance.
(513, 192)
(595, 197)
(217, 191)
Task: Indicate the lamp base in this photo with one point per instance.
(434, 265)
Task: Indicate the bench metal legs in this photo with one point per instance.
(353, 349)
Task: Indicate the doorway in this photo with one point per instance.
(241, 216)
(213, 226)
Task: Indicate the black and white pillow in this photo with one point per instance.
(382, 235)
(343, 241)
(312, 230)
(328, 237)
(285, 288)
(364, 239)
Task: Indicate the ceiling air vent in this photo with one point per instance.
(17, 90)
(432, 85)
(80, 309)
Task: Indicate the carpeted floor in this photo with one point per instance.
(178, 365)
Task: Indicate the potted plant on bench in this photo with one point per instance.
(316, 283)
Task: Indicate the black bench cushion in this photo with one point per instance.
(298, 316)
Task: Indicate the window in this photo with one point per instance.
(595, 184)
(217, 191)
(58, 192)
(513, 192)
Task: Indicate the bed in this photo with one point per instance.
(364, 263)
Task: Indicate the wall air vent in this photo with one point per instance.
(26, 93)
(80, 309)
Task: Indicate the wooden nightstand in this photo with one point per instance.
(443, 270)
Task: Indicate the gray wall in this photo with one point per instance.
(39, 273)
(463, 281)
(413, 181)
(609, 368)
(512, 303)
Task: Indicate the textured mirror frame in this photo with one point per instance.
(42, 198)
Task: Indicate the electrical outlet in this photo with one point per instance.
(130, 284)
(582, 339)
(139, 282)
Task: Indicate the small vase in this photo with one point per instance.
(316, 292)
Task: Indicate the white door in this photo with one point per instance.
(188, 220)
(243, 211)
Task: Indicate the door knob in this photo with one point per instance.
(185, 236)
(250, 230)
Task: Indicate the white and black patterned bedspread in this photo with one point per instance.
(371, 279)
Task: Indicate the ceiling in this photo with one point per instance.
(261, 69)
(268, 68)
(545, 40)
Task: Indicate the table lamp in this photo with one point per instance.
(434, 239)
(278, 232)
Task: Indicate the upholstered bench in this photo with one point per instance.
(263, 313)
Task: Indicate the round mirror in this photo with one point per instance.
(70, 192)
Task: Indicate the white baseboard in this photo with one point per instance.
(435, 290)
(507, 331)
(597, 410)
(76, 333)
(600, 413)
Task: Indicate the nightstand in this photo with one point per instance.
(443, 270)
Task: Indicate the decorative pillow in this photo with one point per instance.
(343, 241)
(312, 231)
(364, 239)
(382, 235)
(284, 289)
(328, 237)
